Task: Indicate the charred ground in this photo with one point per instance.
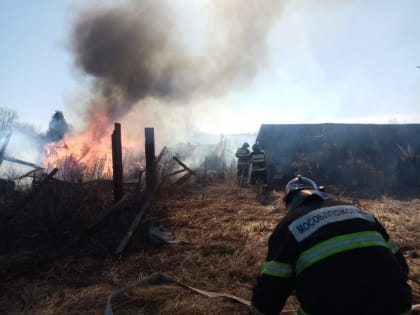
(55, 260)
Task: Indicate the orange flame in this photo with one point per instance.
(80, 156)
(87, 155)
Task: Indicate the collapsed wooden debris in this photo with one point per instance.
(184, 178)
(18, 161)
(8, 185)
(3, 146)
(117, 206)
(38, 184)
(4, 157)
(31, 173)
(150, 198)
(155, 173)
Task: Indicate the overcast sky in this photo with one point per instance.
(325, 61)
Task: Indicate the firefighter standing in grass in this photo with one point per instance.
(258, 166)
(336, 257)
(244, 155)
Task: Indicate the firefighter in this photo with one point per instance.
(244, 155)
(335, 256)
(258, 166)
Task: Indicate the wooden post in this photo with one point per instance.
(117, 167)
(149, 146)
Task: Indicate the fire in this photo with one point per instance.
(87, 155)
(82, 155)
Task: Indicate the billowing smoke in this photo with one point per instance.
(136, 50)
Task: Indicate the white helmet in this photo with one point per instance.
(299, 183)
(300, 188)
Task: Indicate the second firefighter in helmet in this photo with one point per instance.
(258, 165)
(244, 155)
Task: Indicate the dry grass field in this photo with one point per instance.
(224, 226)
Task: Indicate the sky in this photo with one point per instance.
(36, 67)
(318, 61)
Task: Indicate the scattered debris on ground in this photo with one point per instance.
(66, 264)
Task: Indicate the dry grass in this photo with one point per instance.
(227, 230)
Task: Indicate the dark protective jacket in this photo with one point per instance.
(337, 258)
(243, 155)
(258, 167)
(258, 161)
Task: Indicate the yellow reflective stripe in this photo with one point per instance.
(277, 269)
(258, 158)
(255, 311)
(337, 245)
(300, 311)
(392, 246)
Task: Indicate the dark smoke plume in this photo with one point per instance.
(132, 51)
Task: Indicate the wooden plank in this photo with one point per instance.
(122, 202)
(42, 182)
(183, 179)
(50, 175)
(148, 201)
(149, 197)
(183, 165)
(4, 145)
(162, 154)
(31, 173)
(174, 173)
(13, 160)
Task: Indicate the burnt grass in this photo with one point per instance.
(57, 251)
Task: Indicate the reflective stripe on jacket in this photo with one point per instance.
(258, 161)
(243, 155)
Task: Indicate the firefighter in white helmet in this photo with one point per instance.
(244, 155)
(336, 258)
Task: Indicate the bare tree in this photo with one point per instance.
(7, 118)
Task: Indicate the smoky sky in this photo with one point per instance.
(133, 51)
